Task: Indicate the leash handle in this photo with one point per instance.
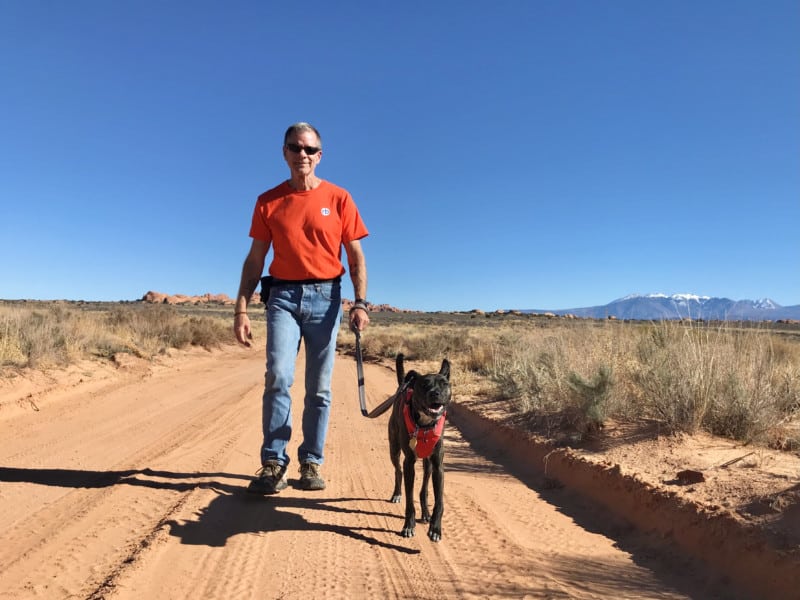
(362, 397)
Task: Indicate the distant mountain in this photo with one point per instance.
(657, 307)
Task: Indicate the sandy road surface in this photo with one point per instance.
(132, 486)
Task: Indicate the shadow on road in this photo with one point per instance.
(231, 512)
(80, 478)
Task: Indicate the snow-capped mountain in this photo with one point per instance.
(656, 307)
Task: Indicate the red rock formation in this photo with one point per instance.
(223, 299)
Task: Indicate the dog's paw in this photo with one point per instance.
(395, 499)
(407, 532)
(425, 518)
(435, 534)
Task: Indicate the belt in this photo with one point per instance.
(304, 281)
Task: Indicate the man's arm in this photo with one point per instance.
(359, 317)
(251, 274)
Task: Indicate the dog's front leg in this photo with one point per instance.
(394, 450)
(437, 462)
(423, 491)
(408, 477)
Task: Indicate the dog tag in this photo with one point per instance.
(412, 443)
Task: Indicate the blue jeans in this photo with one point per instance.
(310, 312)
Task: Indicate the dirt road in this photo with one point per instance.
(131, 485)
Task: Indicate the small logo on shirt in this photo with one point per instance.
(325, 212)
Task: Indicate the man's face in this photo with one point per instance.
(300, 161)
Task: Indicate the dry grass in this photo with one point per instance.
(43, 335)
(742, 382)
(738, 382)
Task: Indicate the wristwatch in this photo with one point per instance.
(360, 303)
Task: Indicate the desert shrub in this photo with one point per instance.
(529, 374)
(675, 373)
(40, 338)
(787, 388)
(479, 357)
(539, 370)
(154, 329)
(121, 318)
(10, 344)
(54, 335)
(378, 342)
(429, 343)
(530, 368)
(589, 399)
(730, 382)
(209, 333)
(107, 345)
(754, 397)
(447, 342)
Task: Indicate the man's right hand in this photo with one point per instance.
(241, 327)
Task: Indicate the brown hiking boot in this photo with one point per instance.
(310, 479)
(270, 479)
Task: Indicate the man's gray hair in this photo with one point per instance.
(298, 127)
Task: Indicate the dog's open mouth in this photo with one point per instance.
(434, 410)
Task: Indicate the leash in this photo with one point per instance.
(362, 396)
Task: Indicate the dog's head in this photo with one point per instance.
(431, 392)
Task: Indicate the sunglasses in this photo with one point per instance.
(310, 150)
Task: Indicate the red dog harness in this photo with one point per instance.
(423, 439)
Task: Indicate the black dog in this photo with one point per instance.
(416, 428)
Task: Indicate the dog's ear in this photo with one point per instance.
(401, 371)
(410, 377)
(445, 370)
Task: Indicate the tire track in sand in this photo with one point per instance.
(112, 512)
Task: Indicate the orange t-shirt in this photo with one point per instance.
(306, 229)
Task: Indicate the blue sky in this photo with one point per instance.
(506, 154)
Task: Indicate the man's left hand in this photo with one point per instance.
(359, 318)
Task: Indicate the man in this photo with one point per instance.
(306, 221)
